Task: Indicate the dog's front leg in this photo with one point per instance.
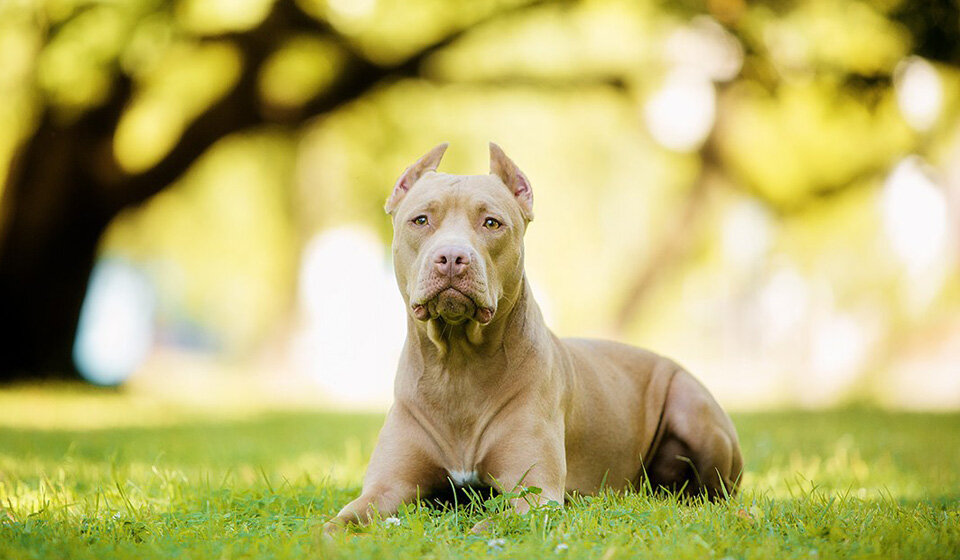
(534, 458)
(523, 464)
(377, 498)
(399, 469)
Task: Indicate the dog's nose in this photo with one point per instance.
(451, 260)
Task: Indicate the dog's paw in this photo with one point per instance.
(330, 528)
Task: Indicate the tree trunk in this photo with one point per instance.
(47, 250)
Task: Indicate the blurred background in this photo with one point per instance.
(191, 192)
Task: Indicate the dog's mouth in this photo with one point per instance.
(453, 306)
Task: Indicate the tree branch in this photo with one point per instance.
(240, 108)
(676, 243)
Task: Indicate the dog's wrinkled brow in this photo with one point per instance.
(430, 206)
(487, 207)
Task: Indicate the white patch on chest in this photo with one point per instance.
(464, 478)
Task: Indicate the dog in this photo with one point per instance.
(485, 394)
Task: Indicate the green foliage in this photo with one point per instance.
(174, 482)
(299, 70)
(806, 125)
(182, 84)
(772, 138)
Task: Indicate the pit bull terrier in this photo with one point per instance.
(485, 394)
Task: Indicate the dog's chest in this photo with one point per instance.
(464, 477)
(462, 419)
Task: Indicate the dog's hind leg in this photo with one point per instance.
(699, 450)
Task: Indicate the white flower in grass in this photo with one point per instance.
(561, 547)
(392, 522)
(496, 543)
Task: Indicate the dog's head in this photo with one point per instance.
(458, 239)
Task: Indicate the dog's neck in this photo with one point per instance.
(460, 381)
(516, 327)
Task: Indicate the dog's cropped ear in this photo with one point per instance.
(428, 162)
(508, 172)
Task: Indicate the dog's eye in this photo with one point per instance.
(420, 220)
(491, 223)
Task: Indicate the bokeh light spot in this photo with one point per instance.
(115, 332)
(919, 92)
(680, 115)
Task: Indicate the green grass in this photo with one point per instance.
(147, 480)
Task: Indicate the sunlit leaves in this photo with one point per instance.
(76, 69)
(19, 45)
(565, 88)
(831, 35)
(193, 77)
(389, 31)
(207, 17)
(592, 40)
(149, 43)
(771, 141)
(299, 70)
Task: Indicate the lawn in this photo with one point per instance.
(94, 474)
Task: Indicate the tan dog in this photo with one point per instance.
(486, 394)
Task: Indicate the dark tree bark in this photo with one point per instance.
(47, 251)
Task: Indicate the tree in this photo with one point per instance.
(65, 183)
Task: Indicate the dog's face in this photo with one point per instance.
(458, 240)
